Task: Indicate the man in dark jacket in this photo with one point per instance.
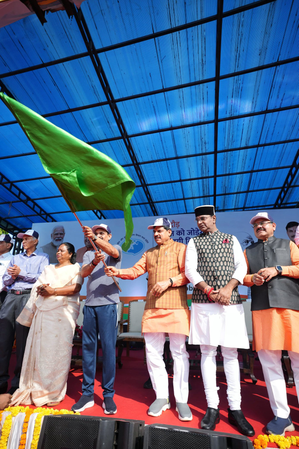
(273, 275)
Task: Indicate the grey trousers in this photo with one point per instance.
(10, 310)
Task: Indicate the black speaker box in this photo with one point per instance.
(90, 432)
(160, 436)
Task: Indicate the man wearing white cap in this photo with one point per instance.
(216, 266)
(166, 311)
(22, 272)
(5, 256)
(100, 317)
(273, 275)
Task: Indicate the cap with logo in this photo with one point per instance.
(263, 215)
(160, 222)
(101, 226)
(204, 210)
(5, 238)
(29, 233)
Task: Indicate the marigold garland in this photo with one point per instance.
(5, 431)
(37, 427)
(28, 412)
(41, 413)
(282, 442)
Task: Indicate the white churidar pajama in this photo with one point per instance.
(232, 374)
(214, 325)
(275, 382)
(154, 344)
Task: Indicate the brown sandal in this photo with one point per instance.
(53, 404)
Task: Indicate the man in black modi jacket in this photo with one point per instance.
(273, 275)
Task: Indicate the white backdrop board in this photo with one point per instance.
(184, 227)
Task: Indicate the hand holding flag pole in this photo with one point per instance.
(96, 249)
(86, 178)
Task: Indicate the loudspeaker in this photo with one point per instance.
(160, 436)
(90, 432)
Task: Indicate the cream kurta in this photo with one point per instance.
(49, 345)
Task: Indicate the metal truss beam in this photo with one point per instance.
(235, 193)
(166, 159)
(110, 98)
(148, 93)
(18, 193)
(99, 214)
(259, 207)
(140, 39)
(4, 89)
(9, 227)
(201, 123)
(221, 175)
(288, 182)
(217, 87)
(40, 14)
(173, 181)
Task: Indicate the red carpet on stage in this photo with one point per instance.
(133, 400)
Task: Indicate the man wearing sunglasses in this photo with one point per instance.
(273, 275)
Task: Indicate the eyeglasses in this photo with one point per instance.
(261, 223)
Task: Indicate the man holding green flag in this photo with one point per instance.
(100, 317)
(86, 178)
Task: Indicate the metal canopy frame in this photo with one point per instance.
(138, 166)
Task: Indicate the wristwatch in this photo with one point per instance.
(278, 269)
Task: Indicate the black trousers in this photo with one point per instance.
(2, 297)
(10, 310)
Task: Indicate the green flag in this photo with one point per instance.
(87, 178)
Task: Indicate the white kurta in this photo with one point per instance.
(212, 323)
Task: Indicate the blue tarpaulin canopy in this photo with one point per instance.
(197, 99)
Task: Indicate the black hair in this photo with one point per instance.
(291, 224)
(71, 250)
(168, 229)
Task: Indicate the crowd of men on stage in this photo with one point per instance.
(215, 264)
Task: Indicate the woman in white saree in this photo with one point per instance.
(53, 308)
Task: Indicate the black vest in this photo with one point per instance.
(281, 291)
(215, 263)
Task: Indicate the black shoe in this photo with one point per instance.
(148, 384)
(3, 388)
(210, 419)
(236, 418)
(109, 406)
(12, 390)
(83, 403)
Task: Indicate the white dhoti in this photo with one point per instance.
(215, 325)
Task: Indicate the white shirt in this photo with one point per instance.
(191, 263)
(4, 261)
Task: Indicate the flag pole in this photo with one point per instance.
(97, 249)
